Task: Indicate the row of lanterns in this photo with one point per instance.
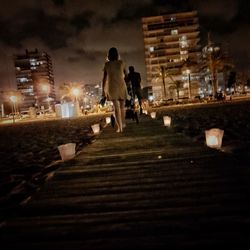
(96, 127)
(67, 151)
(213, 136)
(166, 119)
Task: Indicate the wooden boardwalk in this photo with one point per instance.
(146, 188)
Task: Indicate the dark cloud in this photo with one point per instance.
(58, 2)
(216, 26)
(243, 12)
(131, 12)
(136, 10)
(233, 16)
(53, 30)
(81, 55)
(82, 20)
(172, 5)
(77, 34)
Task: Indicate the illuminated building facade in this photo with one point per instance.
(172, 53)
(34, 78)
(92, 95)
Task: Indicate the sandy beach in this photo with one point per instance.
(29, 153)
(29, 150)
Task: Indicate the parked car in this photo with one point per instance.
(14, 114)
(25, 114)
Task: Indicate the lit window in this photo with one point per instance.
(27, 90)
(183, 52)
(210, 49)
(33, 62)
(23, 79)
(183, 42)
(181, 93)
(172, 19)
(33, 67)
(151, 49)
(174, 32)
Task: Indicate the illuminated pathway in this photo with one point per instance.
(147, 188)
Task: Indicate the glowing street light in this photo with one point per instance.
(75, 92)
(13, 99)
(187, 71)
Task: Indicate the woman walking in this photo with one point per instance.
(114, 86)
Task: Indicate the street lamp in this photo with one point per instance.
(189, 82)
(75, 92)
(13, 99)
(163, 80)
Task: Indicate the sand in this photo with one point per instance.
(29, 154)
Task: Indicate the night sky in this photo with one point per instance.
(78, 33)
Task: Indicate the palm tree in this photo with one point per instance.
(174, 84)
(177, 85)
(188, 67)
(216, 61)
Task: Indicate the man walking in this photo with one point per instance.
(135, 79)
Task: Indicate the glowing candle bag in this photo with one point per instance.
(167, 121)
(108, 120)
(153, 115)
(214, 137)
(67, 151)
(96, 128)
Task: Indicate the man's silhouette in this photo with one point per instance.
(135, 79)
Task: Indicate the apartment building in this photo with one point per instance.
(172, 53)
(35, 79)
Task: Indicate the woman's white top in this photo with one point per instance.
(115, 87)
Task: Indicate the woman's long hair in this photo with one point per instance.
(113, 54)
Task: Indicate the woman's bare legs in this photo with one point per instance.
(119, 114)
(122, 108)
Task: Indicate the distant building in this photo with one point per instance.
(92, 94)
(35, 79)
(93, 90)
(170, 40)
